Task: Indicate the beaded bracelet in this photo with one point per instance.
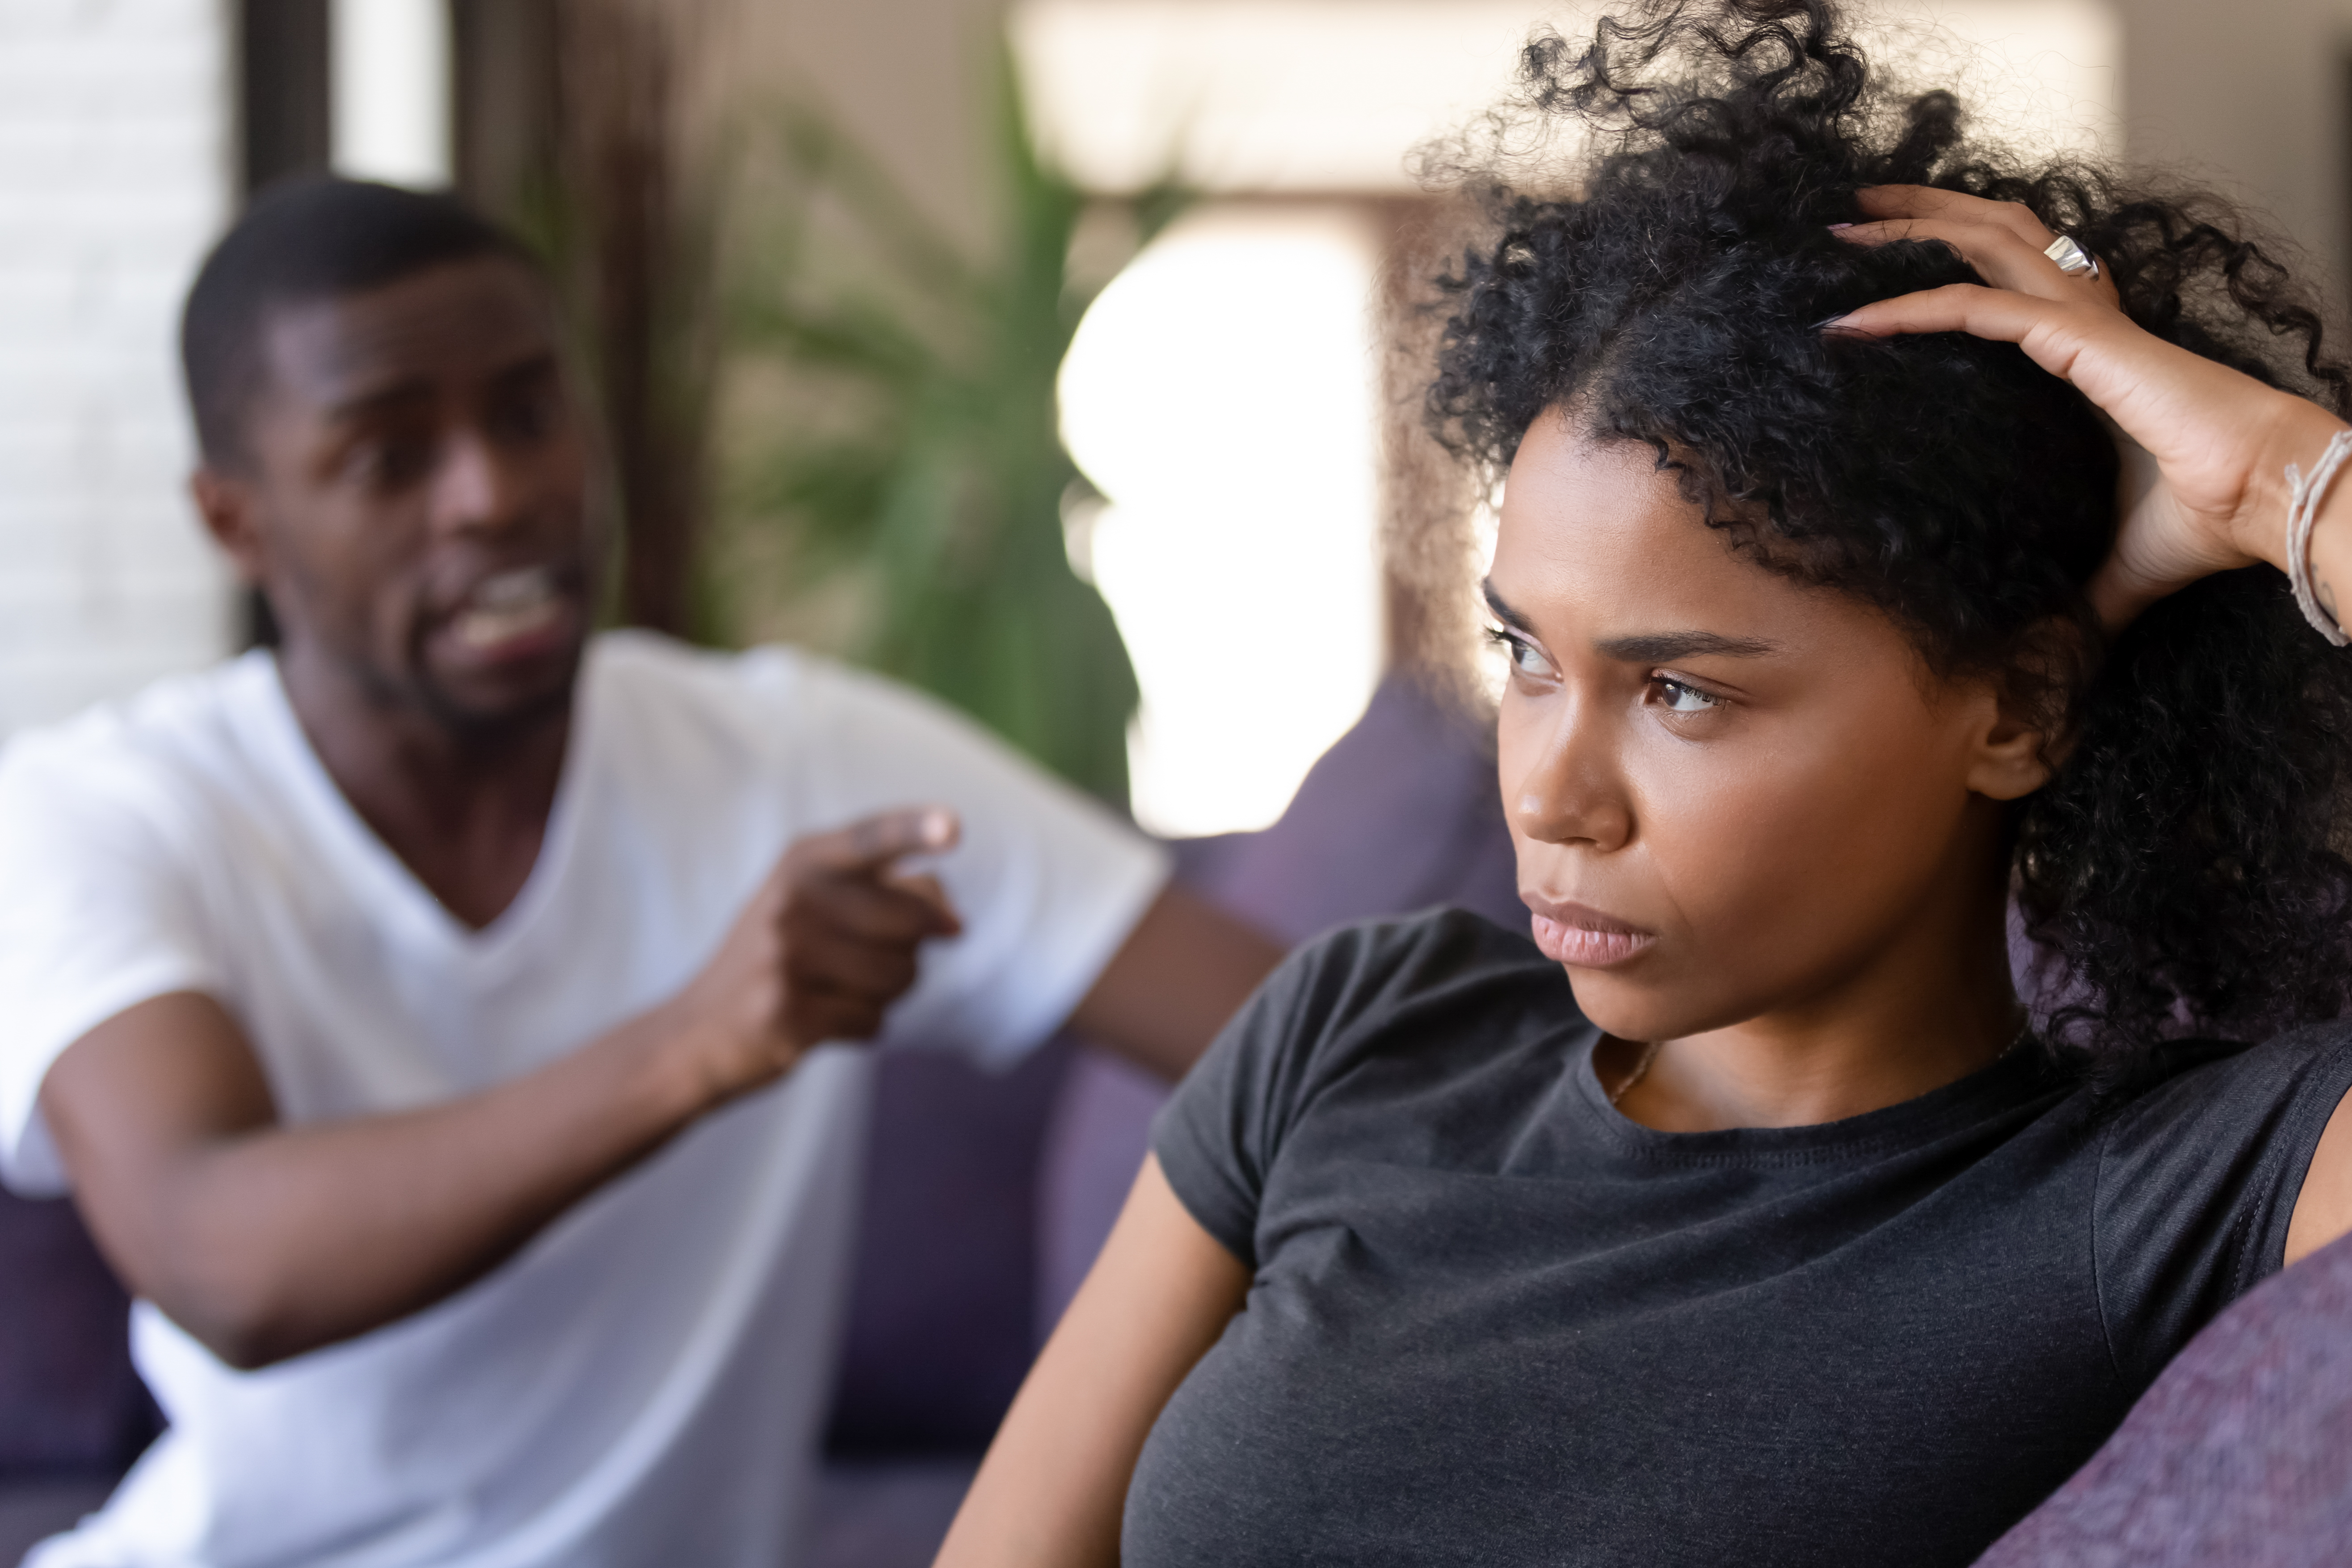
(2303, 496)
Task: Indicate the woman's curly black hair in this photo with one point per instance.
(2181, 866)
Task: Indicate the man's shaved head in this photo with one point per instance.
(306, 241)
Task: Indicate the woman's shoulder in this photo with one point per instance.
(1442, 962)
(2199, 1165)
(1437, 987)
(1440, 940)
(2210, 1084)
(2203, 1115)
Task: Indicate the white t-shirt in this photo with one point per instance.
(642, 1383)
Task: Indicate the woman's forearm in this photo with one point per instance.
(1053, 1489)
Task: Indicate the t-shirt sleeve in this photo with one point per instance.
(2198, 1182)
(97, 914)
(1048, 881)
(1218, 1134)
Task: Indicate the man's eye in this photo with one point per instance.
(1677, 698)
(528, 416)
(389, 464)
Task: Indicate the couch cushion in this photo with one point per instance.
(2239, 1456)
(69, 1402)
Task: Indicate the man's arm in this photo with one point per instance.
(1182, 972)
(265, 1241)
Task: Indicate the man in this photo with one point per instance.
(428, 1017)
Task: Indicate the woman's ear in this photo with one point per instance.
(2020, 735)
(2012, 755)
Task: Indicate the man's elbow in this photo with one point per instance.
(240, 1350)
(250, 1345)
(238, 1314)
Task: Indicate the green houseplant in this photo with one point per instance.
(917, 453)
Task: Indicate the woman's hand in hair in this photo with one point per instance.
(2205, 446)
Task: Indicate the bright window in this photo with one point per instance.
(1220, 394)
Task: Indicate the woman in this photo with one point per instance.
(1823, 640)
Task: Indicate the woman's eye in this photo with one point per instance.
(1525, 657)
(1677, 698)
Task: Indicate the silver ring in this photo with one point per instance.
(2072, 258)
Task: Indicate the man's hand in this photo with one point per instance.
(820, 952)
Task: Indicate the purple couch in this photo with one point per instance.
(73, 1413)
(2239, 1456)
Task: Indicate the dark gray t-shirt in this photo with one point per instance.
(1493, 1322)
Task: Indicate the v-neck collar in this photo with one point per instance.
(333, 817)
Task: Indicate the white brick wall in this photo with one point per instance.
(115, 157)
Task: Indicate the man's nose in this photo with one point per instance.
(1573, 790)
(475, 489)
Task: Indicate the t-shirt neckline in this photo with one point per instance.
(366, 851)
(2015, 1077)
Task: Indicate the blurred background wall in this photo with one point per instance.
(117, 135)
(648, 143)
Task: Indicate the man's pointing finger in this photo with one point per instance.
(871, 843)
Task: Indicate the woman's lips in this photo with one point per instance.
(1583, 938)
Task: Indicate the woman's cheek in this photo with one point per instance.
(1788, 863)
(1733, 852)
(1747, 852)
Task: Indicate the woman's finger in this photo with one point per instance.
(2002, 315)
(2148, 387)
(1882, 202)
(1971, 225)
(1999, 257)
(2189, 411)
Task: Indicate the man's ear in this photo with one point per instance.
(228, 507)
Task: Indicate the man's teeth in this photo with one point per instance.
(511, 604)
(510, 590)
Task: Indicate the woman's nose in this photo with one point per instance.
(1571, 790)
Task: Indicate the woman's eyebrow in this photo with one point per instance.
(1660, 648)
(1653, 647)
(1503, 611)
